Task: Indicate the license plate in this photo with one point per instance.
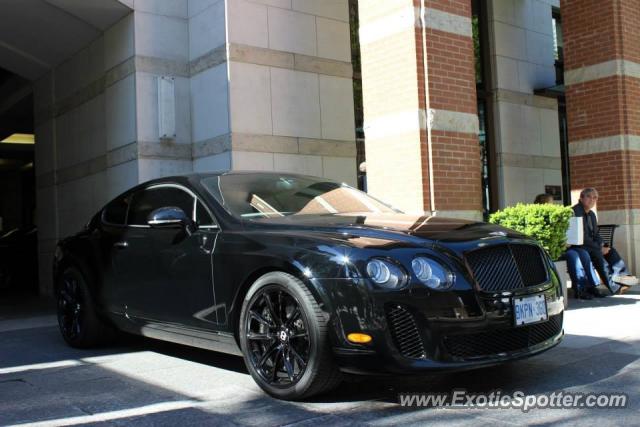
(529, 309)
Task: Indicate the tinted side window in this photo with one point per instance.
(202, 216)
(116, 211)
(146, 201)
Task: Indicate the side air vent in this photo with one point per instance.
(405, 333)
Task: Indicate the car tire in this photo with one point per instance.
(287, 350)
(78, 320)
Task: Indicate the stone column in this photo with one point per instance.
(286, 66)
(396, 100)
(602, 78)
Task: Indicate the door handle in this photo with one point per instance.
(121, 245)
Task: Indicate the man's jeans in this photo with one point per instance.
(583, 275)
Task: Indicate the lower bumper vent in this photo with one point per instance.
(405, 333)
(501, 341)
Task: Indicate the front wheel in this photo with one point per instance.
(284, 339)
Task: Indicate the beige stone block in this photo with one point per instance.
(47, 212)
(45, 147)
(334, 39)
(260, 56)
(292, 31)
(504, 11)
(195, 7)
(264, 143)
(319, 147)
(507, 73)
(521, 185)
(121, 177)
(119, 42)
(519, 129)
(334, 9)
(250, 89)
(336, 105)
(394, 171)
(295, 101)
(370, 10)
(120, 113)
(216, 162)
(550, 132)
(156, 168)
(207, 147)
(510, 41)
(244, 160)
(540, 47)
(209, 103)
(207, 30)
(71, 75)
(162, 36)
(329, 67)
(297, 163)
(283, 4)
(341, 169)
(241, 12)
(176, 8)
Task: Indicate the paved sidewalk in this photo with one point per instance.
(145, 382)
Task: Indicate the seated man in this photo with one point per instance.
(584, 278)
(599, 253)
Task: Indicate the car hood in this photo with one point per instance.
(394, 227)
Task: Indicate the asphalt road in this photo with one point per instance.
(145, 382)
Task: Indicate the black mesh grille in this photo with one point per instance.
(502, 340)
(507, 267)
(405, 333)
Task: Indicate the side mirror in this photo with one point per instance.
(171, 217)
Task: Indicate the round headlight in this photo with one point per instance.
(431, 273)
(385, 273)
(422, 269)
(378, 271)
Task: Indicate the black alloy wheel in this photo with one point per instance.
(283, 335)
(79, 323)
(276, 331)
(71, 303)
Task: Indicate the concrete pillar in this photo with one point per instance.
(602, 78)
(526, 128)
(400, 140)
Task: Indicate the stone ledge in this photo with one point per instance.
(521, 98)
(616, 67)
(604, 145)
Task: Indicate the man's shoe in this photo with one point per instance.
(622, 289)
(584, 295)
(625, 280)
(595, 293)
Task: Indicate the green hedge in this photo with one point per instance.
(547, 223)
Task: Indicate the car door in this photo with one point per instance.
(165, 272)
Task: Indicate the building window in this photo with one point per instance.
(558, 46)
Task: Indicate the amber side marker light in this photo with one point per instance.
(359, 338)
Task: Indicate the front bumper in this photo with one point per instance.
(418, 330)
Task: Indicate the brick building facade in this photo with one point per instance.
(602, 77)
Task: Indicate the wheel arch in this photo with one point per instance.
(243, 289)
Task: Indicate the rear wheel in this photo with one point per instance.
(79, 323)
(284, 339)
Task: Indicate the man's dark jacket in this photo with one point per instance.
(592, 239)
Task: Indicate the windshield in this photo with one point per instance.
(258, 196)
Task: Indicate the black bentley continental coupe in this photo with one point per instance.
(306, 279)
